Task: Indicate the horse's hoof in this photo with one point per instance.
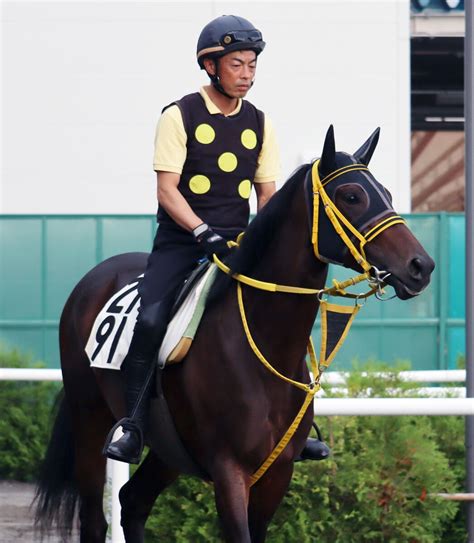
(314, 450)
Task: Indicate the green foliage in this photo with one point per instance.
(25, 422)
(185, 512)
(375, 488)
(450, 440)
(461, 362)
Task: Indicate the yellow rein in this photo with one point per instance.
(310, 389)
(338, 289)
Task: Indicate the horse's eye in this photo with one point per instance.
(351, 198)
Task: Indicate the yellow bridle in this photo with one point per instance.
(338, 219)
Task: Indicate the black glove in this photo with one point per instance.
(211, 242)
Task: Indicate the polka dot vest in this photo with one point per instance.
(222, 155)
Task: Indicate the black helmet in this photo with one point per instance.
(225, 34)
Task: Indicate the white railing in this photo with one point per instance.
(118, 472)
(334, 378)
(393, 406)
(330, 377)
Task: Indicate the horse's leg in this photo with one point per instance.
(138, 495)
(231, 492)
(90, 429)
(265, 497)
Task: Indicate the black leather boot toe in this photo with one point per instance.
(314, 450)
(129, 447)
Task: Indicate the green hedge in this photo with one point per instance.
(375, 488)
(25, 408)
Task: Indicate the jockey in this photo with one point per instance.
(211, 147)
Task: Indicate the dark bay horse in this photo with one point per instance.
(230, 411)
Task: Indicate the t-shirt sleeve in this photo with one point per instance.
(268, 168)
(170, 142)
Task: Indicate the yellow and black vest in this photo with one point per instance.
(221, 161)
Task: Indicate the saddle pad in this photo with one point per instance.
(183, 326)
(112, 332)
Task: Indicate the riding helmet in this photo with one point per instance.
(225, 34)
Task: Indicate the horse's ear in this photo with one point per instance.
(365, 152)
(327, 162)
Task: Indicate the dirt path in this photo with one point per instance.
(16, 518)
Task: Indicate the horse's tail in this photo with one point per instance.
(56, 491)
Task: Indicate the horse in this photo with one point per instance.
(229, 410)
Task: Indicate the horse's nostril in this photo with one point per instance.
(416, 268)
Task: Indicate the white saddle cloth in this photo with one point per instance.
(112, 331)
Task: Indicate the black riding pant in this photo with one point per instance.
(174, 255)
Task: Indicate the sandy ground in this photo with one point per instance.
(16, 518)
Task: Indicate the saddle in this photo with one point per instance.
(186, 314)
(112, 331)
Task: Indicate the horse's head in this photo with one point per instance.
(359, 227)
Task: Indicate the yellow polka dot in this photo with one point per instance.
(199, 184)
(227, 162)
(245, 188)
(249, 139)
(205, 133)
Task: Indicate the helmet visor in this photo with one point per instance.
(236, 36)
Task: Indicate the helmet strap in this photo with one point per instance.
(215, 80)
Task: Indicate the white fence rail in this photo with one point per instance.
(118, 472)
(393, 406)
(336, 378)
(330, 377)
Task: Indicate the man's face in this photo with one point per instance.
(236, 72)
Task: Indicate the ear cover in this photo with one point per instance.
(327, 162)
(365, 152)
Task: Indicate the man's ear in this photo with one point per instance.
(209, 66)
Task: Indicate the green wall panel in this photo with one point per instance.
(126, 234)
(71, 247)
(456, 261)
(43, 257)
(21, 288)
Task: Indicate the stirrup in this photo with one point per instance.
(128, 424)
(324, 451)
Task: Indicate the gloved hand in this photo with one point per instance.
(211, 242)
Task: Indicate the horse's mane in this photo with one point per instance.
(259, 233)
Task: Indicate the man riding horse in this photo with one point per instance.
(211, 147)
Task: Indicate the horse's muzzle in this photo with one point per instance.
(414, 278)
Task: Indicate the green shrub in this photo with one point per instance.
(25, 422)
(375, 488)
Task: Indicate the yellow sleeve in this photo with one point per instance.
(268, 168)
(170, 142)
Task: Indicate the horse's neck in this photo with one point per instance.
(283, 322)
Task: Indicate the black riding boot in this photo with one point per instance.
(139, 369)
(315, 449)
